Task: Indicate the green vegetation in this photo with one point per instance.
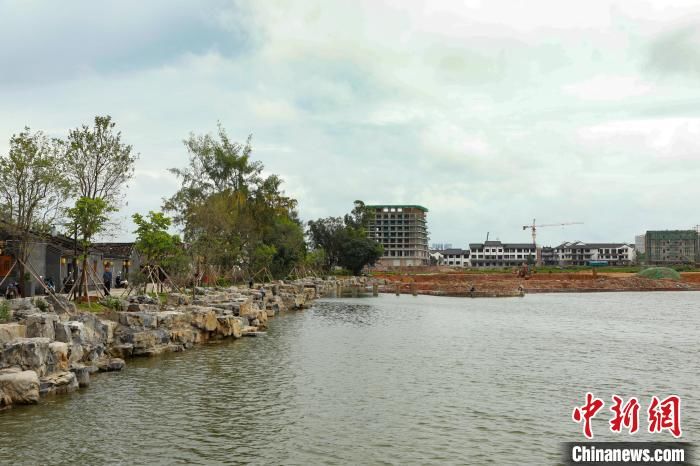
(344, 241)
(658, 273)
(112, 302)
(4, 311)
(234, 219)
(94, 306)
(41, 304)
(32, 188)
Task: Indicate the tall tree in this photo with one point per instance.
(97, 162)
(32, 188)
(228, 210)
(88, 218)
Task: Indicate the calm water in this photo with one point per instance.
(382, 380)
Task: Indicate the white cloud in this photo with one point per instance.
(500, 110)
(609, 88)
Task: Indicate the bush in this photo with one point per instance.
(660, 273)
(113, 303)
(42, 305)
(223, 282)
(4, 312)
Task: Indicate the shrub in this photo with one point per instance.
(112, 302)
(42, 305)
(4, 312)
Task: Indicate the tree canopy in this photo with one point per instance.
(97, 162)
(231, 213)
(32, 188)
(344, 241)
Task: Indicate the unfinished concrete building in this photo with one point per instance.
(672, 247)
(403, 231)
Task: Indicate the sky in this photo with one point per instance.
(488, 113)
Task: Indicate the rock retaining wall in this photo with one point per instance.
(54, 351)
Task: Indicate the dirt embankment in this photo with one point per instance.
(460, 284)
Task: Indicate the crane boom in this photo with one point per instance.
(534, 228)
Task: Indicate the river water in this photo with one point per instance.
(388, 380)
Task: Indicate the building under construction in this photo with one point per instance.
(403, 231)
(672, 247)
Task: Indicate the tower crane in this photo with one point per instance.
(534, 228)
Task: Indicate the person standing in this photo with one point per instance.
(107, 279)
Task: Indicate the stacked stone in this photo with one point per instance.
(54, 351)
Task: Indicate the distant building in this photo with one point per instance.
(455, 257)
(549, 256)
(403, 231)
(640, 243)
(497, 254)
(672, 247)
(580, 253)
(440, 246)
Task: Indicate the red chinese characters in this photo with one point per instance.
(665, 415)
(587, 412)
(626, 416)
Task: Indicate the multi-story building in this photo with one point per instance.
(640, 243)
(580, 253)
(403, 231)
(672, 247)
(455, 257)
(497, 254)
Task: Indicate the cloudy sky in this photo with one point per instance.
(489, 113)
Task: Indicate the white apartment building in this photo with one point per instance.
(497, 254)
(580, 253)
(455, 257)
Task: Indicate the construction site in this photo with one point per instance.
(492, 268)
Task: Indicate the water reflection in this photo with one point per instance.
(338, 312)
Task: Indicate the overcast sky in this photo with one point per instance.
(488, 113)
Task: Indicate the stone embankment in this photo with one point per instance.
(51, 348)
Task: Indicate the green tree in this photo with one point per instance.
(88, 218)
(97, 162)
(32, 188)
(344, 241)
(230, 213)
(153, 241)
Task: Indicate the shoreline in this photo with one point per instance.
(46, 350)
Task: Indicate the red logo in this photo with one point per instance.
(662, 415)
(665, 415)
(587, 412)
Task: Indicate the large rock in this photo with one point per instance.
(41, 325)
(58, 383)
(62, 332)
(204, 319)
(173, 319)
(122, 351)
(29, 354)
(82, 374)
(139, 319)
(19, 387)
(59, 360)
(10, 332)
(76, 353)
(229, 326)
(111, 365)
